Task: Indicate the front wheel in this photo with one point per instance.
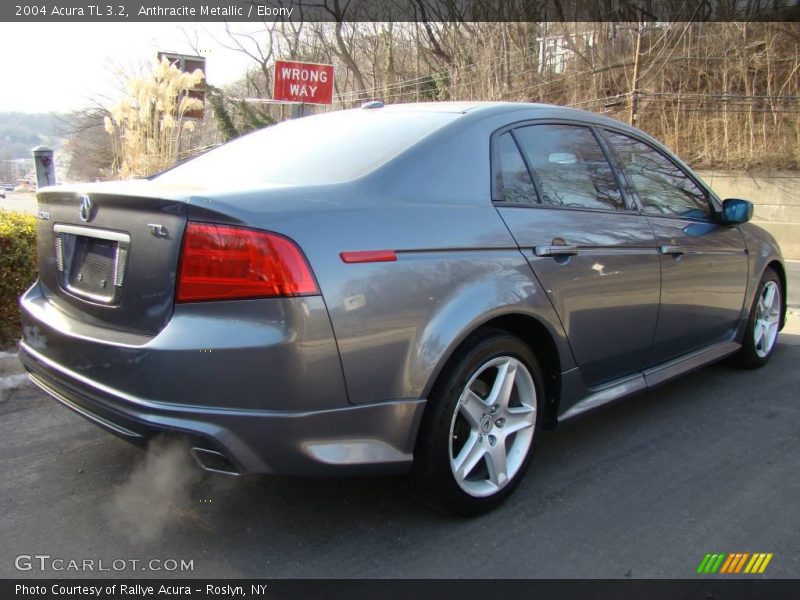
(761, 334)
(477, 434)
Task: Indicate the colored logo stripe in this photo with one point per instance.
(758, 563)
(710, 563)
(728, 563)
(734, 563)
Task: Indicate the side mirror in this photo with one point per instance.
(736, 211)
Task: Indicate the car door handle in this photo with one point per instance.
(555, 250)
(673, 250)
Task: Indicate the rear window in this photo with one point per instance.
(320, 149)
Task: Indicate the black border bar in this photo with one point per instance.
(432, 11)
(388, 589)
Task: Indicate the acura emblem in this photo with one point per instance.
(86, 208)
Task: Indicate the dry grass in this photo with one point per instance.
(147, 126)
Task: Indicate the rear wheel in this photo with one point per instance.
(477, 434)
(761, 335)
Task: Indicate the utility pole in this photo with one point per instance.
(634, 104)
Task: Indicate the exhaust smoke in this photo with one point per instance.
(158, 491)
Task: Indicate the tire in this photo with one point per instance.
(761, 333)
(476, 437)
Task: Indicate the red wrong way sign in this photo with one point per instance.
(303, 82)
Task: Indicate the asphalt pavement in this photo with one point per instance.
(644, 488)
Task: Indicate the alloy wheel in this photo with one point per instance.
(492, 427)
(768, 316)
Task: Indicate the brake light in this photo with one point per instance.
(220, 262)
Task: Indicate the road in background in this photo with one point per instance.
(20, 201)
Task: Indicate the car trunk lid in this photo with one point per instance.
(108, 253)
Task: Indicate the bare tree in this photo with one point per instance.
(88, 145)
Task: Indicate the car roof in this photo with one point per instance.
(466, 107)
(444, 106)
(482, 109)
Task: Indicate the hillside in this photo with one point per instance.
(20, 132)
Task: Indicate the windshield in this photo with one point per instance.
(327, 148)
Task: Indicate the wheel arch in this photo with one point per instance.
(777, 266)
(537, 336)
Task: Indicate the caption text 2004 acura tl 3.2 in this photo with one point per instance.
(413, 288)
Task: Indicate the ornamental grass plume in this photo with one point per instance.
(147, 125)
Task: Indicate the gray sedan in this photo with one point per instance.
(405, 289)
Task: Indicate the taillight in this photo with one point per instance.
(220, 262)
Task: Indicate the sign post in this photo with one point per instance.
(44, 166)
(302, 83)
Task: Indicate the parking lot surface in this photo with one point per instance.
(644, 488)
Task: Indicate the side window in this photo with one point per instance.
(570, 167)
(512, 179)
(663, 187)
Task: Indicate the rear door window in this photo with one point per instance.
(513, 182)
(569, 167)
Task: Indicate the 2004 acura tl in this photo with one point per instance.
(390, 289)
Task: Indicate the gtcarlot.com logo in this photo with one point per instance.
(734, 563)
(46, 562)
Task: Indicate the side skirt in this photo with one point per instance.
(647, 379)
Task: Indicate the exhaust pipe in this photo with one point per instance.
(213, 461)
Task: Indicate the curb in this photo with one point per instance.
(792, 326)
(12, 373)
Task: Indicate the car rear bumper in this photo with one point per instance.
(362, 440)
(258, 382)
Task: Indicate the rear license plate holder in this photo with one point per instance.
(91, 262)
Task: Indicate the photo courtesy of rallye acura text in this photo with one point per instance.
(415, 289)
(137, 590)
